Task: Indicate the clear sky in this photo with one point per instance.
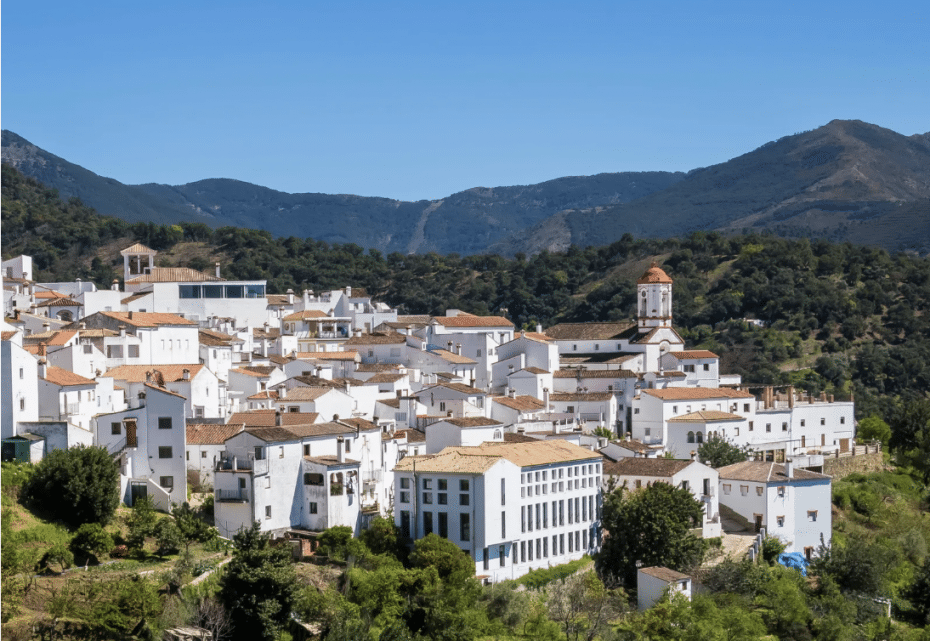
(417, 100)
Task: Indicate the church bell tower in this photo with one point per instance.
(654, 300)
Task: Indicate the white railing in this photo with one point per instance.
(242, 464)
(241, 495)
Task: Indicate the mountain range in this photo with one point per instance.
(846, 181)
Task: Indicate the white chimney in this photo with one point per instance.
(340, 452)
(122, 331)
(217, 270)
(306, 298)
(458, 349)
(512, 392)
(789, 468)
(41, 368)
(546, 398)
(187, 374)
(538, 328)
(115, 285)
(348, 292)
(290, 296)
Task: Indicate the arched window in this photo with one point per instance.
(700, 437)
(497, 435)
(65, 315)
(691, 437)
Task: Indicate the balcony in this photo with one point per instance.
(242, 464)
(232, 496)
(372, 476)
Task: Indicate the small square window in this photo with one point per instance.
(784, 427)
(164, 452)
(427, 484)
(405, 497)
(166, 482)
(267, 511)
(463, 485)
(313, 508)
(759, 491)
(842, 420)
(781, 491)
(443, 484)
(823, 421)
(812, 515)
(164, 422)
(463, 499)
(726, 488)
(116, 428)
(405, 482)
(780, 520)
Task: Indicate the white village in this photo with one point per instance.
(308, 410)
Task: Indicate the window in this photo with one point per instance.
(750, 426)
(503, 525)
(267, 482)
(88, 349)
(116, 428)
(442, 498)
(768, 427)
(745, 407)
(164, 422)
(404, 497)
(726, 488)
(744, 489)
(781, 491)
(164, 452)
(485, 560)
(267, 511)
(313, 508)
(503, 491)
(784, 427)
(306, 449)
(427, 484)
(812, 515)
(203, 454)
(523, 518)
(22, 404)
(427, 498)
(706, 367)
(348, 446)
(427, 523)
(522, 551)
(759, 491)
(443, 524)
(823, 421)
(405, 523)
(802, 422)
(133, 351)
(842, 420)
(166, 482)
(114, 351)
(780, 521)
(463, 485)
(465, 527)
(405, 482)
(691, 437)
(463, 499)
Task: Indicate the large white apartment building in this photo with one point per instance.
(512, 507)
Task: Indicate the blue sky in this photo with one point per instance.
(417, 100)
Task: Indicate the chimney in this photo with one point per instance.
(290, 296)
(458, 349)
(789, 468)
(83, 325)
(409, 330)
(130, 315)
(538, 328)
(340, 451)
(693, 455)
(277, 418)
(115, 285)
(46, 326)
(450, 345)
(546, 398)
(512, 392)
(217, 270)
(306, 298)
(122, 331)
(187, 374)
(348, 292)
(522, 333)
(791, 396)
(831, 398)
(41, 368)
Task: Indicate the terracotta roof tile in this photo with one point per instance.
(385, 378)
(267, 418)
(562, 397)
(211, 434)
(594, 373)
(695, 393)
(270, 333)
(413, 436)
(452, 357)
(8, 335)
(378, 338)
(328, 356)
(60, 302)
(213, 338)
(693, 354)
(378, 367)
(467, 320)
(137, 373)
(174, 275)
(148, 319)
(263, 395)
(589, 331)
(472, 421)
(54, 337)
(654, 274)
(458, 387)
(138, 248)
(306, 314)
(640, 466)
(450, 462)
(135, 297)
(63, 377)
(762, 472)
(706, 416)
(305, 393)
(520, 403)
(664, 574)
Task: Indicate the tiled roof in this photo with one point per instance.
(54, 337)
(537, 453)
(588, 331)
(467, 320)
(63, 377)
(163, 390)
(580, 396)
(213, 338)
(458, 387)
(472, 421)
(695, 393)
(414, 319)
(267, 418)
(277, 299)
(360, 424)
(328, 356)
(60, 302)
(138, 248)
(593, 373)
(8, 335)
(693, 354)
(514, 437)
(706, 416)
(386, 378)
(97, 333)
(378, 338)
(258, 371)
(174, 275)
(762, 472)
(664, 574)
(148, 319)
(169, 373)
(335, 383)
(640, 466)
(377, 367)
(278, 360)
(210, 434)
(296, 432)
(635, 446)
(452, 357)
(413, 436)
(306, 314)
(270, 333)
(599, 358)
(520, 403)
(448, 461)
(654, 274)
(305, 393)
(263, 395)
(332, 461)
(50, 294)
(390, 402)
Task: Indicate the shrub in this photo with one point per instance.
(168, 537)
(119, 552)
(91, 540)
(535, 579)
(58, 554)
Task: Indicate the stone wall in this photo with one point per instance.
(841, 467)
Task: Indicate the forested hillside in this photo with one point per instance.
(838, 317)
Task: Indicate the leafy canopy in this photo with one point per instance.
(717, 451)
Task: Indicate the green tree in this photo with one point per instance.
(873, 428)
(383, 537)
(168, 537)
(91, 541)
(444, 555)
(76, 486)
(583, 606)
(717, 451)
(58, 554)
(651, 527)
(191, 526)
(140, 522)
(918, 593)
(259, 587)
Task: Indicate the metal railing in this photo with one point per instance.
(233, 496)
(242, 464)
(116, 446)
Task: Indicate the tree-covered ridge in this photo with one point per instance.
(838, 318)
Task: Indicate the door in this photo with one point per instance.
(138, 490)
(131, 440)
(844, 445)
(758, 522)
(803, 441)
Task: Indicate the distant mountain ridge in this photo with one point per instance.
(846, 181)
(466, 222)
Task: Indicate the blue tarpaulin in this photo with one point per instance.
(794, 560)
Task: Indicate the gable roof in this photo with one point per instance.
(467, 320)
(457, 387)
(706, 416)
(306, 314)
(296, 432)
(695, 393)
(148, 319)
(593, 373)
(138, 248)
(385, 377)
(64, 378)
(378, 338)
(174, 275)
(520, 403)
(762, 472)
(267, 418)
(589, 331)
(213, 338)
(471, 421)
(348, 355)
(580, 396)
(305, 393)
(60, 302)
(452, 357)
(211, 434)
(53, 337)
(693, 354)
(137, 373)
(664, 574)
(640, 466)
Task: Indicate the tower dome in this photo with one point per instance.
(654, 275)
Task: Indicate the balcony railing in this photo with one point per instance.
(232, 496)
(372, 476)
(242, 464)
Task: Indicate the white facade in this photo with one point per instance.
(19, 384)
(655, 583)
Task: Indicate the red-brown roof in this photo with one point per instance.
(654, 275)
(266, 418)
(137, 373)
(520, 403)
(695, 393)
(306, 314)
(467, 320)
(693, 354)
(210, 434)
(148, 319)
(63, 377)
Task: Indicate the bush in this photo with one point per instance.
(78, 485)
(772, 546)
(91, 540)
(119, 552)
(535, 579)
(58, 554)
(168, 538)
